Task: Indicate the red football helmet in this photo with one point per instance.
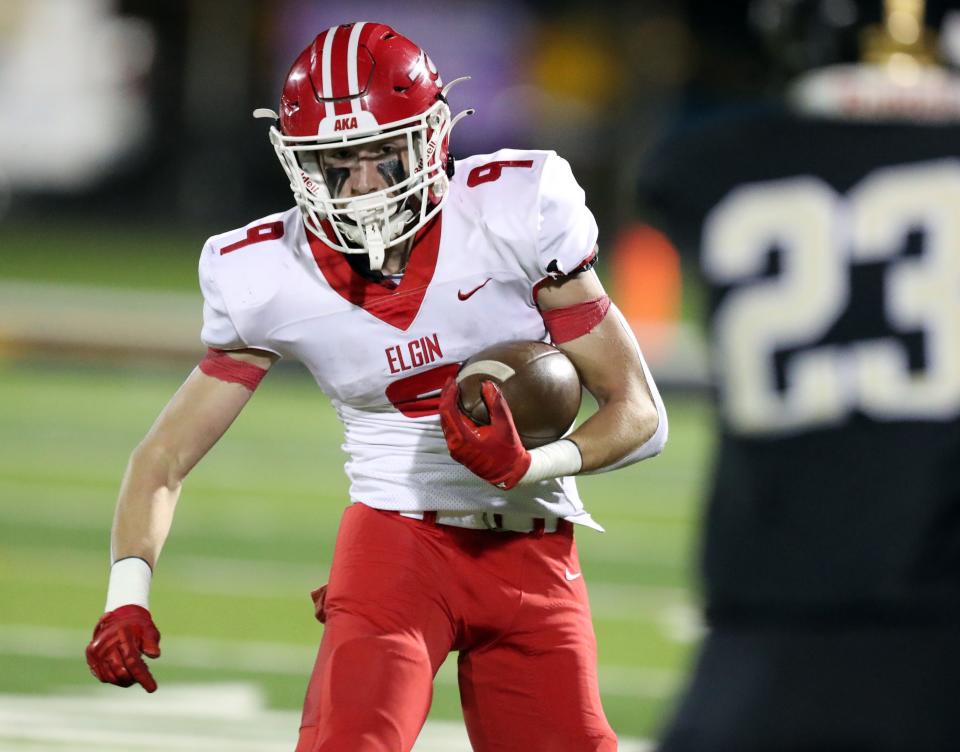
(358, 84)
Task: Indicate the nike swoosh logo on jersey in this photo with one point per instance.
(571, 576)
(464, 295)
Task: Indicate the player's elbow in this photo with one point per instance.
(644, 420)
(650, 425)
(658, 439)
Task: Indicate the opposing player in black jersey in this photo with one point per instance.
(827, 233)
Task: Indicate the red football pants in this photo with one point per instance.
(403, 593)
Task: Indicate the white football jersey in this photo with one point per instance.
(511, 220)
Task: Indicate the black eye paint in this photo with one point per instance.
(392, 171)
(336, 177)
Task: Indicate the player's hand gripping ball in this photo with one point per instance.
(538, 382)
(507, 399)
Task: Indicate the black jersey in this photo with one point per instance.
(831, 254)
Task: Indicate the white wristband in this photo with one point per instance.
(129, 584)
(553, 460)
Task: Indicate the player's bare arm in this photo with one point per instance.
(629, 425)
(191, 423)
(610, 368)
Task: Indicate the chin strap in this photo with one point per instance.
(374, 228)
(376, 250)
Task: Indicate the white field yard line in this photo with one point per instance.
(622, 544)
(617, 546)
(49, 314)
(270, 579)
(204, 575)
(672, 608)
(178, 718)
(263, 578)
(57, 315)
(285, 659)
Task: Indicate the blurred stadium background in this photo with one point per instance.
(125, 140)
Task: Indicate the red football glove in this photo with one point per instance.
(493, 452)
(118, 640)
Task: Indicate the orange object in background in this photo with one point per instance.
(647, 284)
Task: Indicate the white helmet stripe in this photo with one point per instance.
(325, 69)
(353, 83)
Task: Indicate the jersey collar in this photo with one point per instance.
(395, 305)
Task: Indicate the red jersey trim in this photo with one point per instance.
(570, 322)
(395, 305)
(219, 365)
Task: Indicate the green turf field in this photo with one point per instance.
(257, 518)
(254, 533)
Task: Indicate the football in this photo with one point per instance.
(538, 381)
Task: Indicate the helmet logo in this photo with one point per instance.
(431, 148)
(345, 124)
(309, 184)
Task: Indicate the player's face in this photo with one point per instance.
(353, 171)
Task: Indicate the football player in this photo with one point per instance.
(827, 234)
(392, 268)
